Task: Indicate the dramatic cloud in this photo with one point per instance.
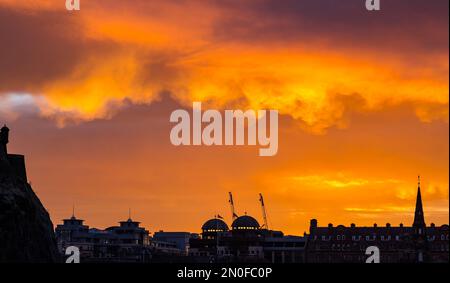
(88, 96)
(297, 56)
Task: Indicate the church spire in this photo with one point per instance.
(419, 220)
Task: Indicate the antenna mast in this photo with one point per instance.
(261, 199)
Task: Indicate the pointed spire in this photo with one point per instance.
(419, 219)
(129, 214)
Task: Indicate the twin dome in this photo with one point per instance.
(244, 222)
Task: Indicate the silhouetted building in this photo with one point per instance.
(174, 242)
(245, 242)
(124, 243)
(248, 241)
(15, 161)
(417, 243)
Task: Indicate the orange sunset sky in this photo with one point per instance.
(362, 97)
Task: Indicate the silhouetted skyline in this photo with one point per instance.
(362, 99)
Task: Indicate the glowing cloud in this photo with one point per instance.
(306, 78)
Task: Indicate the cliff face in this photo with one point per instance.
(26, 231)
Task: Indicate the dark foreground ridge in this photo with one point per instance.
(26, 231)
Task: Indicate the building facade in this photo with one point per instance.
(245, 242)
(127, 242)
(179, 241)
(400, 244)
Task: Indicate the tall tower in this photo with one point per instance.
(419, 220)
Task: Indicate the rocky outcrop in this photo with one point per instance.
(26, 231)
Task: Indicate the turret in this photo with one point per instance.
(12, 163)
(4, 139)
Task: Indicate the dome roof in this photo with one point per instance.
(215, 224)
(245, 222)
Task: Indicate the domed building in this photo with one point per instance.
(247, 241)
(215, 225)
(245, 222)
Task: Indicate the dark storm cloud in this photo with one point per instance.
(40, 47)
(420, 25)
(77, 63)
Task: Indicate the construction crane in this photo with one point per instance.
(233, 213)
(261, 199)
